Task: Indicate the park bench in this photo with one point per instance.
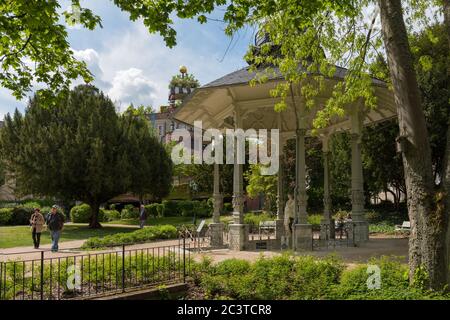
(267, 226)
(405, 226)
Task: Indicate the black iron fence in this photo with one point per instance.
(94, 274)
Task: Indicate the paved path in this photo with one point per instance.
(70, 248)
(374, 248)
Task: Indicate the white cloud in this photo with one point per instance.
(132, 86)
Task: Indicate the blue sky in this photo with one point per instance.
(132, 65)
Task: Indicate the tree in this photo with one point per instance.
(302, 32)
(261, 184)
(312, 37)
(83, 150)
(34, 46)
(150, 169)
(382, 164)
(428, 215)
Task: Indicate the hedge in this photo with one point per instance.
(82, 214)
(187, 208)
(6, 215)
(305, 277)
(17, 216)
(155, 209)
(138, 236)
(129, 212)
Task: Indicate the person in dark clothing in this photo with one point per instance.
(55, 223)
(142, 216)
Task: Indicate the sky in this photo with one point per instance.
(133, 66)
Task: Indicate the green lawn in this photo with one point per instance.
(21, 236)
(165, 220)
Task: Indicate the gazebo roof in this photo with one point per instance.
(214, 103)
(243, 76)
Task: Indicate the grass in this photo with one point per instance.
(382, 227)
(175, 221)
(19, 236)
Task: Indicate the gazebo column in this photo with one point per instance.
(360, 225)
(216, 227)
(327, 224)
(302, 229)
(238, 232)
(279, 231)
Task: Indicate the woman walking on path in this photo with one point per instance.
(37, 224)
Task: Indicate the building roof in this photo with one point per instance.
(243, 76)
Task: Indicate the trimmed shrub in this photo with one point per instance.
(110, 215)
(305, 277)
(283, 277)
(138, 236)
(129, 212)
(32, 204)
(155, 209)
(171, 209)
(21, 216)
(6, 215)
(81, 213)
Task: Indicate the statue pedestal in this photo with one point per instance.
(238, 237)
(303, 237)
(216, 234)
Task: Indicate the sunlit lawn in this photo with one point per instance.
(18, 236)
(176, 221)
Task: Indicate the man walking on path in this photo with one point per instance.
(142, 216)
(55, 223)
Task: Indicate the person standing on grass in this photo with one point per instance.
(37, 224)
(142, 216)
(55, 223)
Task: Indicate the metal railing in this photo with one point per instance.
(94, 274)
(343, 236)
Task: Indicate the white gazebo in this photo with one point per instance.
(230, 102)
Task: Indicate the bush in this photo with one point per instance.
(283, 277)
(138, 236)
(155, 209)
(6, 215)
(129, 212)
(253, 219)
(305, 277)
(315, 220)
(171, 209)
(21, 216)
(81, 213)
(382, 227)
(186, 208)
(228, 207)
(32, 204)
(202, 209)
(110, 215)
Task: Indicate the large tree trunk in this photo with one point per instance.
(427, 243)
(94, 223)
(446, 171)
